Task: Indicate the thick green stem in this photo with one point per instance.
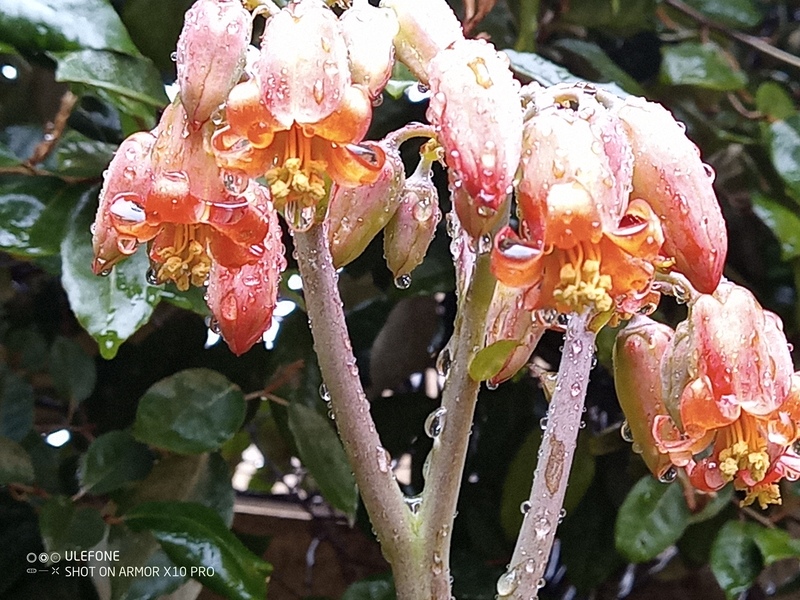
(371, 464)
(527, 567)
(446, 461)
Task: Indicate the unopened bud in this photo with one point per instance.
(670, 176)
(426, 28)
(357, 214)
(369, 32)
(638, 352)
(412, 228)
(211, 55)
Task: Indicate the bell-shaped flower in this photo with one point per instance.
(411, 230)
(426, 27)
(670, 175)
(638, 351)
(211, 55)
(581, 243)
(369, 33)
(731, 397)
(475, 105)
(356, 215)
(509, 320)
(299, 122)
(199, 221)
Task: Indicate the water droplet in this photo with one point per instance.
(127, 245)
(213, 325)
(541, 524)
(434, 424)
(300, 218)
(105, 273)
(530, 566)
(437, 566)
(324, 393)
(669, 475)
(235, 181)
(540, 583)
(577, 346)
(402, 282)
(422, 88)
(127, 208)
(636, 448)
(173, 56)
(710, 173)
(384, 462)
(443, 362)
(484, 243)
(414, 503)
(575, 389)
(525, 507)
(318, 91)
(423, 210)
(561, 514)
(543, 423)
(129, 173)
(486, 211)
(377, 101)
(492, 385)
(625, 432)
(152, 276)
(507, 583)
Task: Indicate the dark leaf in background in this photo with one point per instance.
(72, 370)
(735, 558)
(16, 405)
(701, 65)
(16, 465)
(66, 526)
(113, 460)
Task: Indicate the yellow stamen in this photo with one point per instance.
(299, 178)
(186, 262)
(581, 285)
(770, 494)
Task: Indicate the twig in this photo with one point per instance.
(528, 564)
(755, 515)
(54, 130)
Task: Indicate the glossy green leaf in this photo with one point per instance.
(782, 221)
(113, 460)
(16, 465)
(653, 517)
(784, 147)
(55, 25)
(110, 308)
(73, 371)
(732, 13)
(193, 411)
(735, 558)
(79, 156)
(599, 66)
(624, 17)
(16, 405)
(519, 478)
(775, 544)
(322, 453)
(374, 588)
(66, 526)
(194, 536)
(120, 75)
(701, 65)
(773, 100)
(488, 362)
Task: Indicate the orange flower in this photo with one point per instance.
(203, 224)
(300, 119)
(581, 242)
(730, 393)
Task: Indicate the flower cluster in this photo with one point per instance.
(716, 397)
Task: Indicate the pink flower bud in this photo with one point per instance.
(211, 55)
(357, 214)
(476, 105)
(368, 32)
(242, 299)
(669, 175)
(413, 226)
(426, 28)
(638, 350)
(509, 319)
(307, 86)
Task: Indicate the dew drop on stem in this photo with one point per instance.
(625, 432)
(434, 424)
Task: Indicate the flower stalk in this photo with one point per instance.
(529, 561)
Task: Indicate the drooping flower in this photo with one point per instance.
(581, 242)
(202, 224)
(300, 120)
(731, 397)
(475, 105)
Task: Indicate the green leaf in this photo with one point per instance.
(742, 14)
(55, 25)
(600, 66)
(488, 362)
(122, 78)
(16, 465)
(773, 100)
(784, 147)
(701, 65)
(79, 156)
(113, 460)
(653, 517)
(194, 536)
(782, 221)
(322, 453)
(735, 558)
(65, 526)
(110, 308)
(624, 17)
(374, 588)
(16, 405)
(193, 411)
(775, 544)
(719, 501)
(73, 371)
(519, 478)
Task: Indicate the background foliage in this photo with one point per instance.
(157, 423)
